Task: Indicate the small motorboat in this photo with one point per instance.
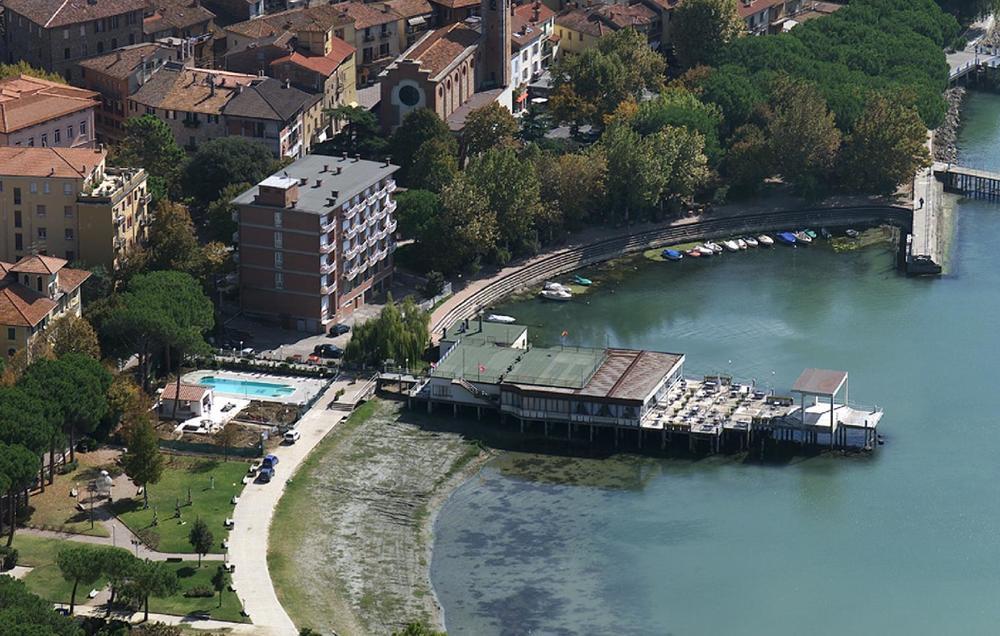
(580, 280)
(810, 233)
(731, 245)
(672, 255)
(506, 320)
(787, 238)
(693, 253)
(715, 247)
(750, 241)
(706, 250)
(852, 233)
(555, 294)
(765, 240)
(550, 286)
(741, 243)
(825, 233)
(803, 237)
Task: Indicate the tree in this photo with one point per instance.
(748, 161)
(418, 127)
(487, 127)
(126, 401)
(142, 460)
(885, 148)
(76, 563)
(149, 143)
(462, 233)
(172, 241)
(359, 136)
(679, 107)
(153, 578)
(201, 539)
(734, 92)
(225, 161)
(803, 134)
(700, 27)
(399, 333)
(574, 184)
(23, 613)
(221, 580)
(118, 566)
(18, 467)
(227, 437)
(599, 78)
(21, 67)
(535, 122)
(511, 189)
(72, 334)
(435, 164)
(219, 213)
(416, 211)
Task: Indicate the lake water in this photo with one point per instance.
(904, 542)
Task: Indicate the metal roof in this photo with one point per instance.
(820, 382)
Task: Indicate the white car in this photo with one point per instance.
(292, 436)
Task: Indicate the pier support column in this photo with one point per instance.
(430, 407)
(546, 424)
(522, 425)
(454, 410)
(591, 427)
(569, 430)
(479, 412)
(616, 437)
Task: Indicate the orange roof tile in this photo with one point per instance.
(443, 47)
(70, 279)
(38, 264)
(28, 101)
(23, 307)
(187, 393)
(323, 64)
(49, 162)
(368, 14)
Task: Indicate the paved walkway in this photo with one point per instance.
(121, 537)
(169, 619)
(252, 516)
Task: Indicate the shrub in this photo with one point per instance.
(200, 592)
(8, 558)
(434, 284)
(86, 445)
(69, 467)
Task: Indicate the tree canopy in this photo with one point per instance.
(399, 333)
(225, 161)
(418, 127)
(700, 27)
(487, 127)
(25, 614)
(149, 143)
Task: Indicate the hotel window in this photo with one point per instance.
(33, 187)
(42, 233)
(40, 210)
(68, 211)
(66, 53)
(31, 142)
(69, 132)
(279, 280)
(56, 136)
(17, 196)
(68, 234)
(68, 189)
(17, 218)
(45, 186)
(383, 49)
(278, 239)
(18, 242)
(70, 255)
(83, 128)
(45, 140)
(11, 333)
(65, 34)
(279, 260)
(277, 219)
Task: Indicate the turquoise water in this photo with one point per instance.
(247, 387)
(905, 542)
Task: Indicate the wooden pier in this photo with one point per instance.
(968, 182)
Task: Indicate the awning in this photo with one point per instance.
(520, 98)
(416, 21)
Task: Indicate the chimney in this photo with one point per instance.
(118, 56)
(303, 181)
(345, 155)
(385, 8)
(357, 158)
(334, 194)
(286, 84)
(326, 167)
(386, 163)
(339, 170)
(319, 182)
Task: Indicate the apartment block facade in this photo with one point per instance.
(55, 34)
(37, 112)
(316, 239)
(65, 202)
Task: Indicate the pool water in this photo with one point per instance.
(247, 387)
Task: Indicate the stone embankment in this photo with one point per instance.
(478, 296)
(944, 147)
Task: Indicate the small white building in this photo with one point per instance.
(531, 48)
(193, 400)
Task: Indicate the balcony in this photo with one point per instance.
(352, 231)
(352, 211)
(392, 226)
(327, 268)
(391, 187)
(353, 251)
(119, 219)
(326, 248)
(330, 225)
(391, 207)
(119, 243)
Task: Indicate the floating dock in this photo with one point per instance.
(635, 397)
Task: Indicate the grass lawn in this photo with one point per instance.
(189, 575)
(45, 579)
(181, 476)
(54, 509)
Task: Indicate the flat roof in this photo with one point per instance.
(820, 382)
(477, 362)
(484, 332)
(562, 367)
(355, 175)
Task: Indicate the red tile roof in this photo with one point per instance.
(368, 14)
(410, 8)
(38, 264)
(49, 162)
(70, 279)
(756, 6)
(325, 65)
(57, 13)
(525, 24)
(23, 307)
(444, 46)
(27, 101)
(187, 393)
(457, 4)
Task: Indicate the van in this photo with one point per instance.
(292, 436)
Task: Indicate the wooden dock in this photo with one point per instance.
(968, 182)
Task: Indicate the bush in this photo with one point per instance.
(69, 467)
(200, 592)
(8, 558)
(434, 284)
(86, 445)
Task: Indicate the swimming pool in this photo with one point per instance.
(247, 387)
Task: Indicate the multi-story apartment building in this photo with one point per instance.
(376, 36)
(118, 75)
(316, 239)
(65, 202)
(56, 34)
(276, 114)
(37, 112)
(189, 100)
(330, 74)
(185, 20)
(531, 47)
(34, 291)
(418, 18)
(229, 11)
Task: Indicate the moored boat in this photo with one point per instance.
(715, 247)
(501, 319)
(825, 233)
(852, 233)
(803, 237)
(731, 245)
(765, 240)
(810, 233)
(694, 253)
(706, 250)
(555, 294)
(750, 241)
(580, 280)
(672, 255)
(787, 238)
(551, 286)
(741, 243)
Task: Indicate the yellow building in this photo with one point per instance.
(65, 202)
(579, 29)
(33, 292)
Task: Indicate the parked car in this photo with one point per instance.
(338, 329)
(292, 436)
(328, 351)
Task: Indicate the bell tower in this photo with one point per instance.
(496, 22)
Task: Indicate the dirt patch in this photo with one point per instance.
(350, 550)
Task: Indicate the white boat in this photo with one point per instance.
(852, 233)
(705, 250)
(715, 247)
(555, 294)
(765, 240)
(731, 245)
(750, 241)
(550, 286)
(501, 319)
(741, 243)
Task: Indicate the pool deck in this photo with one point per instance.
(305, 388)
